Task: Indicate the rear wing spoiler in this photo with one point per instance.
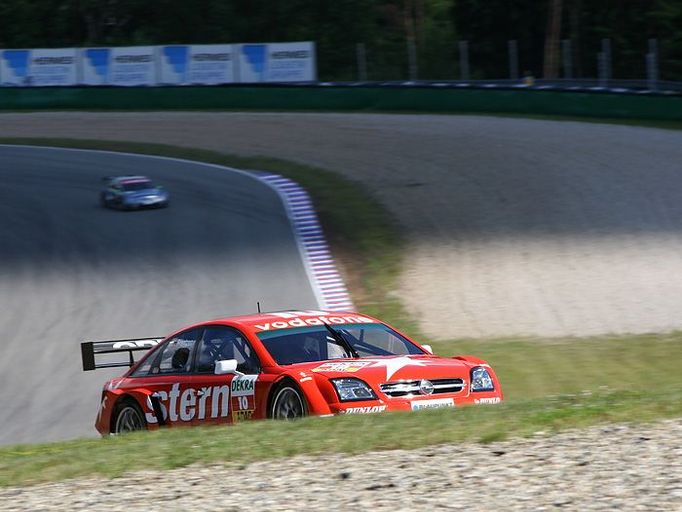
(90, 350)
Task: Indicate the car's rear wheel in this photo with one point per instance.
(103, 200)
(288, 403)
(128, 418)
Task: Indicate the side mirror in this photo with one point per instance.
(428, 348)
(226, 366)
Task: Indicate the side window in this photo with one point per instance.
(146, 365)
(220, 343)
(176, 355)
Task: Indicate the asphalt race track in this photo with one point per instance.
(513, 226)
(71, 271)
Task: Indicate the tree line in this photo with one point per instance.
(385, 28)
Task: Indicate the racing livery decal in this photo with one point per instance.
(243, 389)
(493, 400)
(368, 409)
(418, 405)
(344, 366)
(305, 322)
(208, 402)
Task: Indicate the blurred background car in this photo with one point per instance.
(132, 192)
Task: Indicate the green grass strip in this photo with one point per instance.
(264, 440)
(537, 367)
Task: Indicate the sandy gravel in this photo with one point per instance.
(603, 468)
(514, 226)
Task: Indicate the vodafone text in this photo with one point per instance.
(320, 320)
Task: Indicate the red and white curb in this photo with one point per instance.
(327, 283)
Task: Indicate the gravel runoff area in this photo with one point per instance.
(603, 468)
(514, 226)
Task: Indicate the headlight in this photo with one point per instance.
(481, 380)
(353, 389)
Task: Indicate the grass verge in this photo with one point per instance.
(265, 440)
(530, 368)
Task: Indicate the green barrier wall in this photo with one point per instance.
(346, 98)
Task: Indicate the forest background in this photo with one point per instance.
(384, 31)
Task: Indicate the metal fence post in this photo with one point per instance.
(652, 65)
(606, 50)
(601, 69)
(513, 48)
(412, 58)
(464, 60)
(567, 58)
(361, 58)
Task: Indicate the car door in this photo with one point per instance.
(226, 398)
(169, 378)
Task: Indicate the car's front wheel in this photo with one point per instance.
(128, 417)
(288, 403)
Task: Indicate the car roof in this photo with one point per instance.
(292, 318)
(130, 179)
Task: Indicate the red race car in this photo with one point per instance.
(281, 365)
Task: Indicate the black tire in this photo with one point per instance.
(103, 201)
(128, 417)
(287, 403)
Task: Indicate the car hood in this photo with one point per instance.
(378, 370)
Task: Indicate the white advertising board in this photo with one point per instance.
(122, 66)
(207, 64)
(277, 62)
(165, 65)
(39, 67)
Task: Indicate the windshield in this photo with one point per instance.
(137, 185)
(317, 343)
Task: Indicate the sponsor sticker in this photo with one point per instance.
(369, 409)
(345, 366)
(135, 344)
(493, 400)
(209, 402)
(243, 385)
(418, 405)
(238, 416)
(309, 318)
(243, 391)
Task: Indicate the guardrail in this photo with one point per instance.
(576, 85)
(387, 97)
